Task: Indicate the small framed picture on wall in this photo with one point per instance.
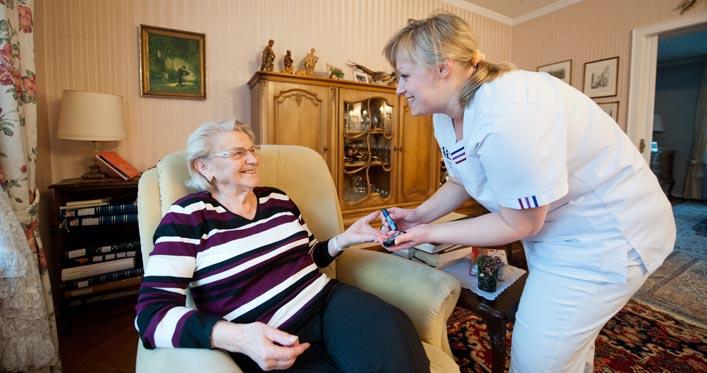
(560, 70)
(611, 108)
(172, 63)
(601, 77)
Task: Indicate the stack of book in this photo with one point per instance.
(101, 268)
(112, 260)
(97, 212)
(438, 256)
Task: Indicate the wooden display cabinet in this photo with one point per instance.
(379, 155)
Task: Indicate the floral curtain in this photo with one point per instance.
(28, 338)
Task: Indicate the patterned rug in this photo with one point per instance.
(680, 284)
(638, 339)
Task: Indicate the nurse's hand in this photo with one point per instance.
(412, 237)
(404, 218)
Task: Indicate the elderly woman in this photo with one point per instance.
(251, 264)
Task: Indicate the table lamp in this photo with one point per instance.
(91, 116)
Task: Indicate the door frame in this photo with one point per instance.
(644, 61)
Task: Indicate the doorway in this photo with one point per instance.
(641, 94)
(680, 73)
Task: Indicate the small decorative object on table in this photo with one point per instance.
(488, 267)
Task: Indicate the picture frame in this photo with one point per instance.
(561, 70)
(361, 77)
(611, 108)
(601, 77)
(172, 63)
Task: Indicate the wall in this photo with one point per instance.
(93, 45)
(588, 31)
(676, 88)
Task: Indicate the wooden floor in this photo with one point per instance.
(100, 337)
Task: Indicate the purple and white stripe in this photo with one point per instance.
(528, 202)
(459, 155)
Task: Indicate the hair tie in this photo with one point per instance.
(476, 58)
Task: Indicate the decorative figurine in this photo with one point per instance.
(287, 61)
(268, 62)
(377, 76)
(310, 60)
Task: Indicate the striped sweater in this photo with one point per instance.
(236, 269)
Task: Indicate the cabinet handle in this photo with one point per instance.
(398, 148)
(325, 149)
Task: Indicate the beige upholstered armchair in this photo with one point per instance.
(428, 296)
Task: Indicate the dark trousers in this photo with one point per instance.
(356, 332)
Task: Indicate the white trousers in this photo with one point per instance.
(559, 318)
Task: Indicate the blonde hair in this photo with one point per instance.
(445, 36)
(199, 147)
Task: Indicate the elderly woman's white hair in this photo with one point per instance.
(199, 147)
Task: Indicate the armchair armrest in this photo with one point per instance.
(183, 360)
(426, 295)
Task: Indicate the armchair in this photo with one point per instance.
(427, 296)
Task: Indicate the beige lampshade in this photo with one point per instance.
(658, 125)
(91, 116)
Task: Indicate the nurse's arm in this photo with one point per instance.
(492, 229)
(445, 200)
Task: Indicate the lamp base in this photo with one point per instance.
(94, 173)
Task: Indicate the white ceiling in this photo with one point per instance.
(512, 12)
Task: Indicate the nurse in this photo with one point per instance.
(554, 171)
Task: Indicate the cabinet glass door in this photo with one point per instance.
(367, 150)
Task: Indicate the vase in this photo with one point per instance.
(488, 282)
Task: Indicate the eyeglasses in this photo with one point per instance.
(237, 154)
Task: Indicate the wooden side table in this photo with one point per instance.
(662, 167)
(496, 313)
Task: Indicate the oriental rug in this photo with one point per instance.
(638, 339)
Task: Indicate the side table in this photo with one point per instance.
(662, 166)
(496, 313)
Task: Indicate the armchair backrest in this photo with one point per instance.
(299, 171)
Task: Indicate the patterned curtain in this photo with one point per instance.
(28, 338)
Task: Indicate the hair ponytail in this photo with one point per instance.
(485, 72)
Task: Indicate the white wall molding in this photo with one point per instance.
(481, 11)
(644, 60)
(544, 10)
(506, 19)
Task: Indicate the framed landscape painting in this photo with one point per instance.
(560, 70)
(600, 77)
(172, 63)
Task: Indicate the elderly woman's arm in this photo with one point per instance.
(361, 231)
(163, 320)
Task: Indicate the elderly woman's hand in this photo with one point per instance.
(360, 232)
(268, 347)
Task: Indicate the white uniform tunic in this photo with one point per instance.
(532, 140)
